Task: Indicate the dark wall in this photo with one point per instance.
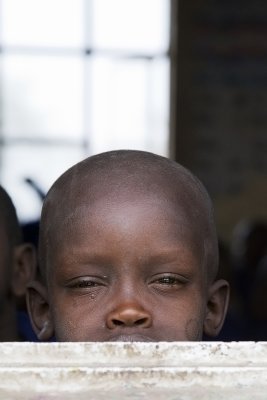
(221, 108)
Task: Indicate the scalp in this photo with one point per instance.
(8, 218)
(126, 174)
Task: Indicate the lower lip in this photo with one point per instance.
(131, 338)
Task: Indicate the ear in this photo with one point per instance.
(39, 310)
(24, 268)
(217, 306)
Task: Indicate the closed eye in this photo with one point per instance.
(85, 283)
(168, 280)
(165, 282)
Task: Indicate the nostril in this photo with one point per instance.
(117, 322)
(141, 321)
(129, 315)
(137, 322)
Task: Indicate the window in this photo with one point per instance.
(78, 77)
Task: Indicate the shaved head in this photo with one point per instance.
(8, 218)
(123, 176)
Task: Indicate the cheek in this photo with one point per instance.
(194, 329)
(185, 321)
(75, 320)
(67, 320)
(195, 323)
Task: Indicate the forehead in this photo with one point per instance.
(122, 227)
(83, 189)
(128, 210)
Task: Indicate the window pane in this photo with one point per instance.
(42, 22)
(131, 25)
(42, 97)
(43, 164)
(129, 104)
(75, 98)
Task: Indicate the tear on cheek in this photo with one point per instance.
(193, 330)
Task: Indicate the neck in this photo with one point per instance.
(8, 323)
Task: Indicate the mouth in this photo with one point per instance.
(136, 337)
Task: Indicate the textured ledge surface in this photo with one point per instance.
(176, 370)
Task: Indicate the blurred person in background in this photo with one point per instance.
(17, 268)
(249, 245)
(257, 307)
(248, 251)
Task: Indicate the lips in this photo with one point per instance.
(136, 337)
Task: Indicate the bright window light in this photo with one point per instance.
(78, 77)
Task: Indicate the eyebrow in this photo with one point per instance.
(165, 255)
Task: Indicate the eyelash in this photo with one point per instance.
(85, 284)
(164, 282)
(169, 281)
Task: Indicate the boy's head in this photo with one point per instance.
(128, 251)
(17, 263)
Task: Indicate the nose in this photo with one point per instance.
(129, 315)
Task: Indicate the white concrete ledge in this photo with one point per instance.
(177, 371)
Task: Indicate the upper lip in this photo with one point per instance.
(134, 337)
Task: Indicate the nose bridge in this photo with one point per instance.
(128, 286)
(128, 309)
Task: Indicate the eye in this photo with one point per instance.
(168, 280)
(86, 283)
(165, 282)
(86, 287)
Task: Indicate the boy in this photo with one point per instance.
(128, 252)
(17, 264)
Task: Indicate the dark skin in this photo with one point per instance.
(17, 267)
(8, 329)
(126, 263)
